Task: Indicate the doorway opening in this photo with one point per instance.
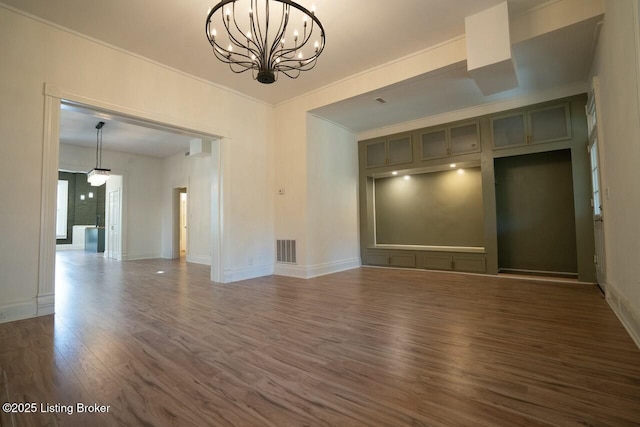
(58, 100)
(180, 223)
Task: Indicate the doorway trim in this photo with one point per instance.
(53, 96)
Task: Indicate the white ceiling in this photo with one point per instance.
(361, 34)
(78, 127)
(550, 61)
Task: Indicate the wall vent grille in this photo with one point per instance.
(286, 251)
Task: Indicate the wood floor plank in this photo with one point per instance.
(162, 345)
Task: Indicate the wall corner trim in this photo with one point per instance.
(245, 273)
(199, 259)
(628, 315)
(46, 304)
(311, 271)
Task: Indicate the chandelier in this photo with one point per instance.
(98, 175)
(267, 37)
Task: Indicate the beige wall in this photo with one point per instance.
(34, 53)
(616, 65)
(332, 185)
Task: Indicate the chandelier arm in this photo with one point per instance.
(306, 66)
(249, 40)
(238, 71)
(232, 37)
(284, 21)
(255, 23)
(220, 54)
(255, 30)
(286, 51)
(291, 75)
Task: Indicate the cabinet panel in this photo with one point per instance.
(550, 124)
(434, 145)
(438, 262)
(402, 260)
(465, 139)
(400, 150)
(377, 258)
(470, 263)
(376, 154)
(509, 131)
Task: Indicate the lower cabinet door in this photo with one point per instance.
(378, 258)
(438, 262)
(402, 260)
(471, 264)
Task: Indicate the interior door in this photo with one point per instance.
(183, 224)
(113, 249)
(599, 257)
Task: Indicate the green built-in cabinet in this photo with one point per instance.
(472, 144)
(389, 151)
(532, 126)
(450, 141)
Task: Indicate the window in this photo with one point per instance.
(61, 211)
(593, 154)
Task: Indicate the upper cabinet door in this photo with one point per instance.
(465, 139)
(376, 154)
(399, 151)
(509, 131)
(435, 144)
(550, 124)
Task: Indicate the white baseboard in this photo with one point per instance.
(310, 271)
(134, 257)
(199, 259)
(69, 247)
(235, 275)
(46, 304)
(18, 311)
(626, 312)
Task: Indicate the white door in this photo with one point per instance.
(113, 237)
(183, 224)
(599, 257)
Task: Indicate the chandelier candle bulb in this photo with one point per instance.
(259, 37)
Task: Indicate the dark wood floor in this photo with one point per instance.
(366, 347)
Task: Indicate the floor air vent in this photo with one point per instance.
(286, 251)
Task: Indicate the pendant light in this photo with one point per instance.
(98, 175)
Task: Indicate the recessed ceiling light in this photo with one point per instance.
(460, 171)
(407, 177)
(452, 165)
(394, 173)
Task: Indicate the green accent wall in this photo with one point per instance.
(82, 212)
(432, 209)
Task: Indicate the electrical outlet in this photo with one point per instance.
(281, 191)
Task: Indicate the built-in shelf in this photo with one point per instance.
(465, 249)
